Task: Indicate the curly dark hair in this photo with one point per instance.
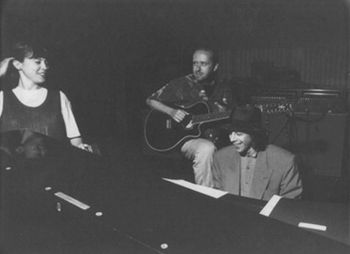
(259, 139)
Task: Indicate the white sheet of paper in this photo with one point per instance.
(72, 200)
(267, 210)
(214, 193)
(312, 226)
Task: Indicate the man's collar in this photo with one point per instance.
(251, 153)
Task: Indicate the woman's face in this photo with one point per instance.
(34, 69)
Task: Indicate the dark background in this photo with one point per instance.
(109, 55)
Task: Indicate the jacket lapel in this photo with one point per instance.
(236, 176)
(261, 176)
(231, 173)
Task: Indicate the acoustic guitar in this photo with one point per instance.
(163, 134)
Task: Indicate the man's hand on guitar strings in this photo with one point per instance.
(178, 115)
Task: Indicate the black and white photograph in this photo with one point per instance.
(174, 126)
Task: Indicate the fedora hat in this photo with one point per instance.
(246, 119)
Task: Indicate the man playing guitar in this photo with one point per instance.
(199, 87)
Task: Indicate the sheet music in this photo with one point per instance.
(267, 210)
(214, 193)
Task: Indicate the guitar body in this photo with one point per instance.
(163, 134)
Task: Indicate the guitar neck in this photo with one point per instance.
(206, 118)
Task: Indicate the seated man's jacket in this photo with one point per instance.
(276, 172)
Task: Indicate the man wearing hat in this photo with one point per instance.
(252, 168)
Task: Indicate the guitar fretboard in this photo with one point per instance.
(206, 118)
